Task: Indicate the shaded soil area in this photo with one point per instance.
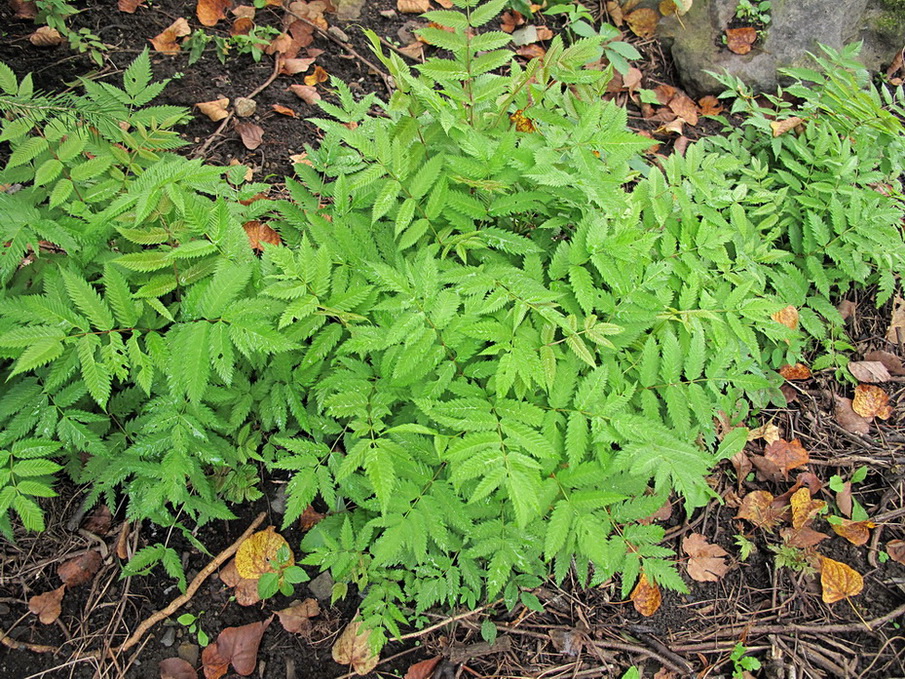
(769, 602)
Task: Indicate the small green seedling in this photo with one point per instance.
(742, 663)
(193, 624)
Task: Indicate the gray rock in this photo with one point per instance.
(168, 638)
(189, 652)
(322, 587)
(796, 28)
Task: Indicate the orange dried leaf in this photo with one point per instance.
(646, 597)
(740, 40)
(871, 401)
(710, 105)
(804, 508)
(80, 569)
(353, 649)
(256, 552)
(47, 606)
(165, 42)
(510, 20)
(544, 33)
(413, 6)
(297, 618)
(241, 26)
(802, 538)
(99, 521)
(423, 669)
(310, 518)
(780, 127)
(23, 9)
(532, 51)
(215, 110)
(129, 6)
(869, 371)
(279, 45)
(259, 233)
(522, 122)
(799, 371)
(757, 507)
(684, 107)
(896, 551)
(856, 532)
(786, 454)
(283, 110)
(707, 562)
(319, 76)
(839, 581)
(209, 12)
(643, 22)
(787, 316)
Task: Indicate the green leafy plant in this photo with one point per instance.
(55, 14)
(284, 577)
(741, 662)
(251, 43)
(580, 23)
(492, 340)
(745, 547)
(192, 623)
(838, 485)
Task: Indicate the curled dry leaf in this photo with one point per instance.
(80, 569)
(259, 233)
(531, 51)
(844, 499)
(769, 432)
(209, 12)
(780, 127)
(684, 107)
(804, 507)
(414, 50)
(306, 93)
(293, 66)
(283, 110)
(23, 9)
(643, 22)
(310, 518)
(413, 6)
(423, 669)
(279, 45)
(758, 508)
(215, 110)
(319, 76)
(802, 538)
(869, 371)
(251, 135)
(856, 532)
(740, 40)
(176, 668)
(799, 371)
(891, 362)
(839, 581)
(787, 316)
(614, 9)
(895, 333)
(742, 465)
(352, 649)
(544, 33)
(707, 562)
(871, 401)
(165, 42)
(241, 26)
(47, 606)
(46, 37)
(297, 618)
(786, 454)
(236, 646)
(129, 6)
(646, 597)
(256, 552)
(896, 551)
(710, 106)
(510, 20)
(848, 419)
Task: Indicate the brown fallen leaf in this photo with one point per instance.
(740, 40)
(787, 316)
(297, 618)
(413, 6)
(259, 233)
(786, 454)
(846, 309)
(318, 76)
(896, 551)
(129, 6)
(742, 465)
(246, 11)
(707, 562)
(802, 538)
(99, 521)
(757, 507)
(236, 646)
(780, 127)
(306, 93)
(544, 33)
(47, 606)
(310, 518)
(165, 42)
(283, 110)
(176, 668)
(848, 419)
(46, 36)
(839, 581)
(279, 45)
(844, 499)
(257, 551)
(209, 12)
(251, 135)
(684, 107)
(294, 66)
(799, 371)
(869, 371)
(895, 333)
(23, 9)
(215, 110)
(241, 26)
(646, 596)
(510, 20)
(674, 126)
(353, 649)
(871, 401)
(769, 432)
(856, 532)
(710, 106)
(423, 669)
(804, 507)
(244, 589)
(532, 51)
(614, 9)
(891, 362)
(80, 569)
(643, 22)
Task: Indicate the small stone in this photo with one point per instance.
(169, 637)
(4, 609)
(278, 501)
(189, 653)
(337, 33)
(321, 587)
(387, 13)
(244, 106)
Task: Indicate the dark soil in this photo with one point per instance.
(756, 603)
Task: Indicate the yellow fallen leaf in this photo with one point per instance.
(839, 581)
(780, 127)
(255, 554)
(787, 316)
(804, 508)
(215, 110)
(871, 401)
(352, 648)
(646, 597)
